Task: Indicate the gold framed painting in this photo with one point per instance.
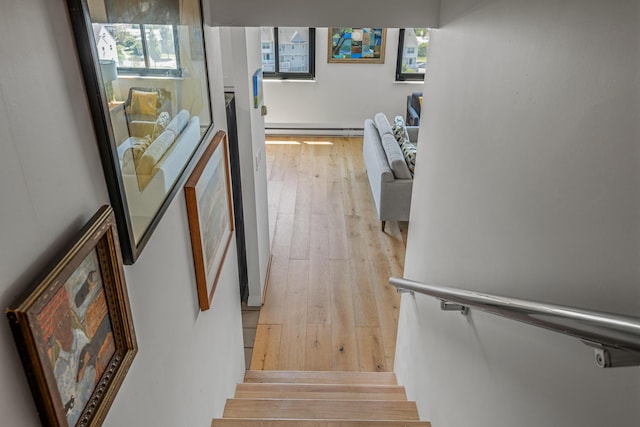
(74, 329)
(210, 214)
(356, 45)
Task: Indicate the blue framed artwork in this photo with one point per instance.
(257, 88)
(356, 45)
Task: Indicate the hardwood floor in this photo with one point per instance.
(328, 305)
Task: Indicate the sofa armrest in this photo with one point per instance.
(413, 118)
(412, 132)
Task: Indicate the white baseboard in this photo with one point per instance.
(314, 131)
(320, 129)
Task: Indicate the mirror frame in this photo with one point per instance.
(98, 103)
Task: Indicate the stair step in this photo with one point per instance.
(247, 422)
(321, 409)
(320, 377)
(320, 391)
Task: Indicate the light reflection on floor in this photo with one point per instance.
(300, 142)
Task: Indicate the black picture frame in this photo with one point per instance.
(133, 236)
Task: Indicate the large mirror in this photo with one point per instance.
(145, 70)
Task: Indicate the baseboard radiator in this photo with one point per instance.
(312, 131)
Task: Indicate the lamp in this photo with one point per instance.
(109, 71)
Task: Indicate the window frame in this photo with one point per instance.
(155, 72)
(278, 75)
(400, 76)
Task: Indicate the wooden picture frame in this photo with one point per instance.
(210, 214)
(74, 329)
(356, 45)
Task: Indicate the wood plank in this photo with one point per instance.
(317, 355)
(319, 183)
(370, 349)
(305, 161)
(281, 244)
(356, 243)
(344, 347)
(257, 422)
(274, 189)
(321, 409)
(365, 305)
(319, 295)
(388, 305)
(320, 377)
(266, 348)
(273, 308)
(320, 391)
(301, 222)
(294, 330)
(337, 227)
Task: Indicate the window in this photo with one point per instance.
(143, 49)
(288, 52)
(413, 45)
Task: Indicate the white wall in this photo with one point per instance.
(244, 54)
(336, 13)
(342, 95)
(527, 185)
(51, 183)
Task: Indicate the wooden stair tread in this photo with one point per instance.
(321, 409)
(320, 391)
(247, 422)
(321, 377)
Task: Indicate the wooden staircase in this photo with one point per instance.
(319, 399)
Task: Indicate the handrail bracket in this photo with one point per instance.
(613, 357)
(452, 306)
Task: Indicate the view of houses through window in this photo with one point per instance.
(288, 52)
(138, 48)
(412, 53)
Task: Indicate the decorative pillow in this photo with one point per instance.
(399, 130)
(153, 154)
(382, 124)
(161, 123)
(144, 102)
(409, 152)
(395, 157)
(178, 123)
(138, 147)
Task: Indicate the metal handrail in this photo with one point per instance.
(614, 337)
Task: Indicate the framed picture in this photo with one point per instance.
(210, 213)
(257, 88)
(145, 71)
(74, 330)
(356, 45)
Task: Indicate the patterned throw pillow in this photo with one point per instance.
(409, 152)
(399, 130)
(161, 123)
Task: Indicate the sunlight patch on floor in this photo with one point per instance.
(318, 143)
(292, 142)
(271, 142)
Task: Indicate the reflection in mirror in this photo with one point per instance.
(152, 64)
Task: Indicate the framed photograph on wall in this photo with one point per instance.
(356, 45)
(74, 329)
(210, 214)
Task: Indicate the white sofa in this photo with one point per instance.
(145, 194)
(390, 179)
